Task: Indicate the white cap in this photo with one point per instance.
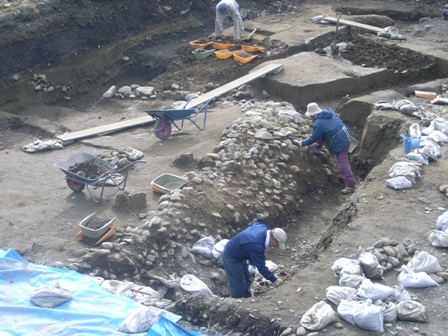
(312, 109)
(280, 236)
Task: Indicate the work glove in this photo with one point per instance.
(242, 28)
(278, 282)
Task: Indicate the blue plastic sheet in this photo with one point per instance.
(91, 310)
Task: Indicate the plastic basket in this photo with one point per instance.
(220, 46)
(196, 45)
(224, 53)
(243, 57)
(249, 48)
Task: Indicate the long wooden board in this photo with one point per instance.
(118, 126)
(354, 24)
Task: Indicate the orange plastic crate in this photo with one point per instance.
(224, 53)
(220, 46)
(243, 57)
(249, 48)
(196, 45)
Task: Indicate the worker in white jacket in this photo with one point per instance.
(224, 8)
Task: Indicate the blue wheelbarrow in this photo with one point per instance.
(166, 118)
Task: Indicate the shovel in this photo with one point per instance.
(249, 38)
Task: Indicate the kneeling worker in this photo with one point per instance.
(249, 245)
(224, 8)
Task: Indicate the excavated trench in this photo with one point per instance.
(360, 50)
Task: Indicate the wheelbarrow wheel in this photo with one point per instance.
(75, 186)
(162, 129)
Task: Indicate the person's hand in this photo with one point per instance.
(278, 282)
(242, 28)
(314, 149)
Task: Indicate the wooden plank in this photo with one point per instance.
(354, 24)
(118, 126)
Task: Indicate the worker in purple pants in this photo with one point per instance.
(328, 128)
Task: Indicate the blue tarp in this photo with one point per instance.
(91, 310)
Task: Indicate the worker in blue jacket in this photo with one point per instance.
(249, 245)
(328, 128)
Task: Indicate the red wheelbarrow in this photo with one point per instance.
(166, 118)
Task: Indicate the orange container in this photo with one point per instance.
(220, 46)
(425, 94)
(196, 45)
(224, 53)
(249, 48)
(243, 57)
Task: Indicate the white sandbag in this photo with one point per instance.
(429, 147)
(351, 280)
(398, 183)
(438, 238)
(438, 137)
(335, 294)
(191, 284)
(346, 266)
(50, 296)
(411, 311)
(390, 311)
(424, 262)
(374, 291)
(318, 316)
(133, 154)
(362, 314)
(204, 247)
(417, 157)
(272, 267)
(404, 168)
(370, 265)
(401, 294)
(411, 279)
(414, 131)
(442, 221)
(292, 115)
(219, 246)
(140, 320)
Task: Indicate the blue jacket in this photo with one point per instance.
(328, 126)
(249, 244)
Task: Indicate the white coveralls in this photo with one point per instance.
(233, 9)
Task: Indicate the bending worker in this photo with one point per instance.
(224, 8)
(328, 128)
(249, 245)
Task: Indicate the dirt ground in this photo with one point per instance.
(40, 216)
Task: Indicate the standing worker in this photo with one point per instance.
(328, 128)
(224, 8)
(249, 245)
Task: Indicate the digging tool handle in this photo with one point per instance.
(253, 32)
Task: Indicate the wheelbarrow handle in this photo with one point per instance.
(130, 164)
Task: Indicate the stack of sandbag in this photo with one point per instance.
(367, 304)
(439, 236)
(403, 174)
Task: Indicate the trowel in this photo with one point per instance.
(249, 37)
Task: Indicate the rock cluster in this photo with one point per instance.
(259, 160)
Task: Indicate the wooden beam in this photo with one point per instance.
(118, 126)
(353, 24)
